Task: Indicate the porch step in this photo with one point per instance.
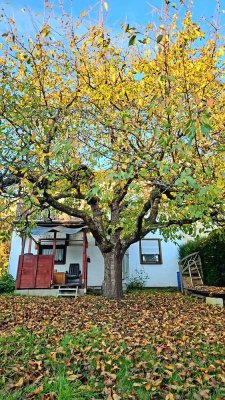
(68, 292)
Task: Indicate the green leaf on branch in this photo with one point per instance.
(205, 128)
(191, 182)
(159, 38)
(132, 40)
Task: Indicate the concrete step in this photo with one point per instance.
(67, 292)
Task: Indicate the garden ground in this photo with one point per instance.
(152, 345)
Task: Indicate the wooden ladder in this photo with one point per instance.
(191, 268)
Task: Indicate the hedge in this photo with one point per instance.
(7, 283)
(212, 253)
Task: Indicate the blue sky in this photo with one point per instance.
(138, 12)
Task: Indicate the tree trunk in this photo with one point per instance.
(112, 287)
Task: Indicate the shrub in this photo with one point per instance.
(137, 281)
(7, 284)
(192, 246)
(212, 253)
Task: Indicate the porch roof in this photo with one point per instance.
(41, 230)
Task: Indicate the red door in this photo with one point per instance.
(26, 272)
(44, 271)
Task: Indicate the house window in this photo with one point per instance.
(60, 253)
(150, 251)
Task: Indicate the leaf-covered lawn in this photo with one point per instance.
(153, 345)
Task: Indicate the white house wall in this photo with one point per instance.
(161, 275)
(96, 264)
(15, 251)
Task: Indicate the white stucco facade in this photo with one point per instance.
(15, 251)
(160, 275)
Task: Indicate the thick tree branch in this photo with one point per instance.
(121, 193)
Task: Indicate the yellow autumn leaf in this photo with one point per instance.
(20, 382)
(106, 6)
(74, 377)
(116, 396)
(85, 387)
(170, 396)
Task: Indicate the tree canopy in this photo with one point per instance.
(125, 132)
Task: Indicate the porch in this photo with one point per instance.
(56, 262)
(55, 292)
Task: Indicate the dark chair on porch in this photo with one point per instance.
(73, 276)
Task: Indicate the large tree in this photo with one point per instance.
(124, 132)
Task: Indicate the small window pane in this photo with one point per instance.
(47, 252)
(150, 246)
(150, 258)
(59, 255)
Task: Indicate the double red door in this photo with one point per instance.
(35, 271)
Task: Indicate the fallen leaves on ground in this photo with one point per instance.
(152, 345)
